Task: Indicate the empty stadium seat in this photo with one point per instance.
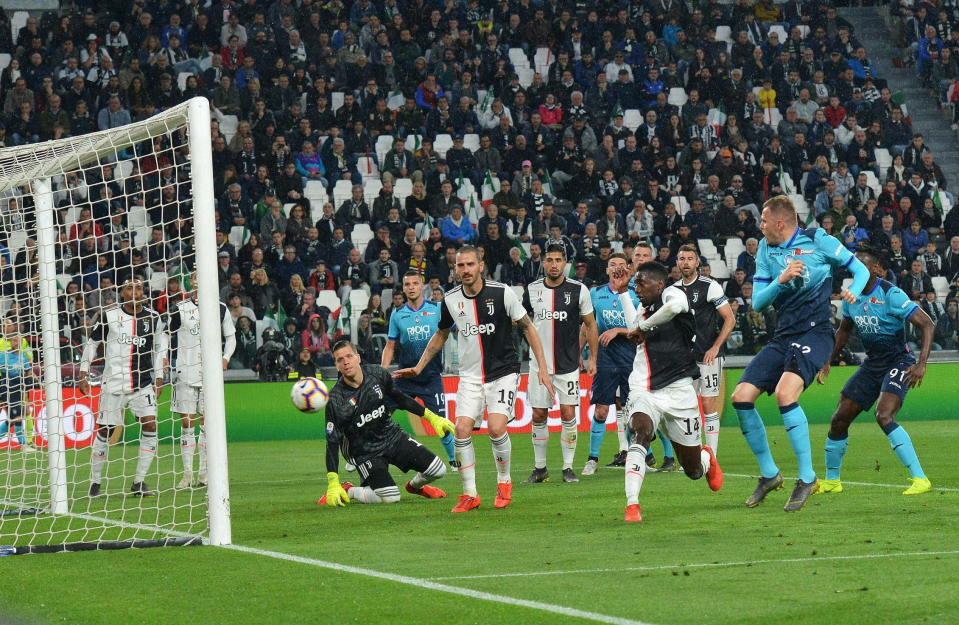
(724, 33)
(328, 298)
(883, 161)
(941, 286)
(336, 100)
(872, 182)
(4, 61)
(158, 281)
(236, 236)
(719, 269)
(441, 144)
(471, 142)
(543, 56)
(367, 167)
(517, 56)
(384, 143)
(371, 188)
(677, 96)
(632, 119)
(525, 75)
(402, 188)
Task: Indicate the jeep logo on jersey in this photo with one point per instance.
(483, 328)
(366, 418)
(558, 315)
(126, 339)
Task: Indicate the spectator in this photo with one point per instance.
(914, 240)
(916, 282)
(316, 342)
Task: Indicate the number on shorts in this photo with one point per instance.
(895, 372)
(803, 348)
(506, 398)
(692, 425)
(572, 388)
(712, 380)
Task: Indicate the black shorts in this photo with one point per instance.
(406, 455)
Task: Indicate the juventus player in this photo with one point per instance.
(483, 313)
(188, 387)
(359, 424)
(558, 307)
(661, 384)
(708, 305)
(134, 360)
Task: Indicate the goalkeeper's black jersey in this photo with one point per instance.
(358, 420)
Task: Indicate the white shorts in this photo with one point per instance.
(187, 399)
(565, 385)
(710, 378)
(497, 397)
(142, 403)
(673, 409)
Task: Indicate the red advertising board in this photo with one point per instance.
(523, 412)
(79, 417)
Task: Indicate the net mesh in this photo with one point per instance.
(123, 210)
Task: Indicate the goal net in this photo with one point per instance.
(91, 456)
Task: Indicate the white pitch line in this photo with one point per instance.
(703, 565)
(433, 585)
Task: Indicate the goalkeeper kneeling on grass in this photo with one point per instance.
(359, 424)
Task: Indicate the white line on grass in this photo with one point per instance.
(433, 585)
(704, 565)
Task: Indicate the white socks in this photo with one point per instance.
(635, 472)
(540, 442)
(435, 471)
(201, 448)
(502, 448)
(148, 451)
(711, 431)
(466, 458)
(704, 459)
(621, 429)
(365, 494)
(568, 441)
(101, 449)
(187, 447)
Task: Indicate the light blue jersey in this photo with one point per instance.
(803, 303)
(609, 314)
(412, 331)
(880, 316)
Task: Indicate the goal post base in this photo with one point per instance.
(104, 545)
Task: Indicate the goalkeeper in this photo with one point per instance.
(359, 424)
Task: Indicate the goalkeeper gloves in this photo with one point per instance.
(441, 425)
(335, 494)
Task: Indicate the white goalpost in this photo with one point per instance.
(83, 220)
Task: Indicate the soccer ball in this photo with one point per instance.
(309, 395)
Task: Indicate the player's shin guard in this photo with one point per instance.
(101, 449)
(667, 445)
(755, 433)
(835, 450)
(435, 471)
(711, 430)
(365, 494)
(19, 434)
(635, 472)
(502, 450)
(187, 447)
(148, 451)
(201, 449)
(621, 429)
(466, 458)
(596, 432)
(540, 443)
(902, 445)
(797, 429)
(568, 441)
(447, 442)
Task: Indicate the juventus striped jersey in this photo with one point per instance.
(705, 297)
(185, 330)
(484, 330)
(667, 354)
(557, 313)
(134, 348)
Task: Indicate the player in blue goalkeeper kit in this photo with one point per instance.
(889, 371)
(411, 328)
(793, 273)
(15, 367)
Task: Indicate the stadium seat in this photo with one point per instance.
(367, 167)
(517, 56)
(328, 298)
(396, 100)
(336, 100)
(543, 70)
(384, 143)
(181, 79)
(4, 61)
(122, 170)
(724, 33)
(632, 119)
(681, 204)
(402, 189)
(361, 236)
(358, 301)
(471, 142)
(716, 117)
(803, 30)
(719, 269)
(677, 96)
(63, 279)
(441, 144)
(525, 75)
(342, 192)
(883, 160)
(802, 209)
(158, 281)
(543, 56)
(707, 248)
(236, 236)
(773, 117)
(941, 286)
(872, 182)
(371, 188)
(778, 29)
(18, 21)
(228, 126)
(386, 296)
(315, 191)
(287, 208)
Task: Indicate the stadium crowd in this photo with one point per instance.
(508, 125)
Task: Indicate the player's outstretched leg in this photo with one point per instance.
(886, 411)
(755, 433)
(837, 442)
(365, 494)
(699, 461)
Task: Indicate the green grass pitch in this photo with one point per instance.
(868, 555)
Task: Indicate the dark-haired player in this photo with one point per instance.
(483, 312)
(359, 425)
(558, 306)
(887, 374)
(794, 273)
(411, 328)
(661, 391)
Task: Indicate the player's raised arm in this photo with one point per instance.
(837, 255)
(674, 302)
(842, 337)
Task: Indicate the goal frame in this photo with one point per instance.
(35, 165)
